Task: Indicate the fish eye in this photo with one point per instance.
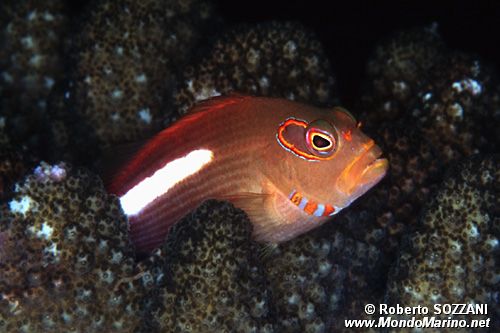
(320, 141)
(320, 138)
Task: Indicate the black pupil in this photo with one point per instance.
(320, 141)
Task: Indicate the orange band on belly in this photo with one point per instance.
(309, 206)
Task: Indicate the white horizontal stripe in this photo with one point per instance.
(163, 180)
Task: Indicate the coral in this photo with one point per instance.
(315, 279)
(448, 97)
(427, 106)
(306, 283)
(457, 108)
(13, 165)
(397, 70)
(65, 259)
(384, 213)
(453, 256)
(66, 263)
(215, 279)
(212, 279)
(32, 34)
(125, 60)
(268, 59)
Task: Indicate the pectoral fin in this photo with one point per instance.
(252, 203)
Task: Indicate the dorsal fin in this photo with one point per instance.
(197, 112)
(216, 103)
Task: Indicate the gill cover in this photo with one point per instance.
(314, 141)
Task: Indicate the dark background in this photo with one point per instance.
(350, 29)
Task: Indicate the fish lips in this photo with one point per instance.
(363, 174)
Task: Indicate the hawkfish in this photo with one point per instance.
(289, 166)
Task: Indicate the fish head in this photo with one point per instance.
(327, 158)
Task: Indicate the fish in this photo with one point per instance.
(288, 165)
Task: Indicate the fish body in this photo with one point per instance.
(288, 165)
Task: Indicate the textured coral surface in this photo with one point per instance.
(212, 277)
(119, 71)
(314, 276)
(126, 57)
(65, 256)
(454, 255)
(427, 106)
(279, 59)
(32, 36)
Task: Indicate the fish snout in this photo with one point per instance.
(366, 170)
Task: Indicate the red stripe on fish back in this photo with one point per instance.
(228, 136)
(154, 154)
(149, 229)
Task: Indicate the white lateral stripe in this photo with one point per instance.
(163, 180)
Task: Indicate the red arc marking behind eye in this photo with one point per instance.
(291, 146)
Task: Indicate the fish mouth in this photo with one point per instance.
(364, 172)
